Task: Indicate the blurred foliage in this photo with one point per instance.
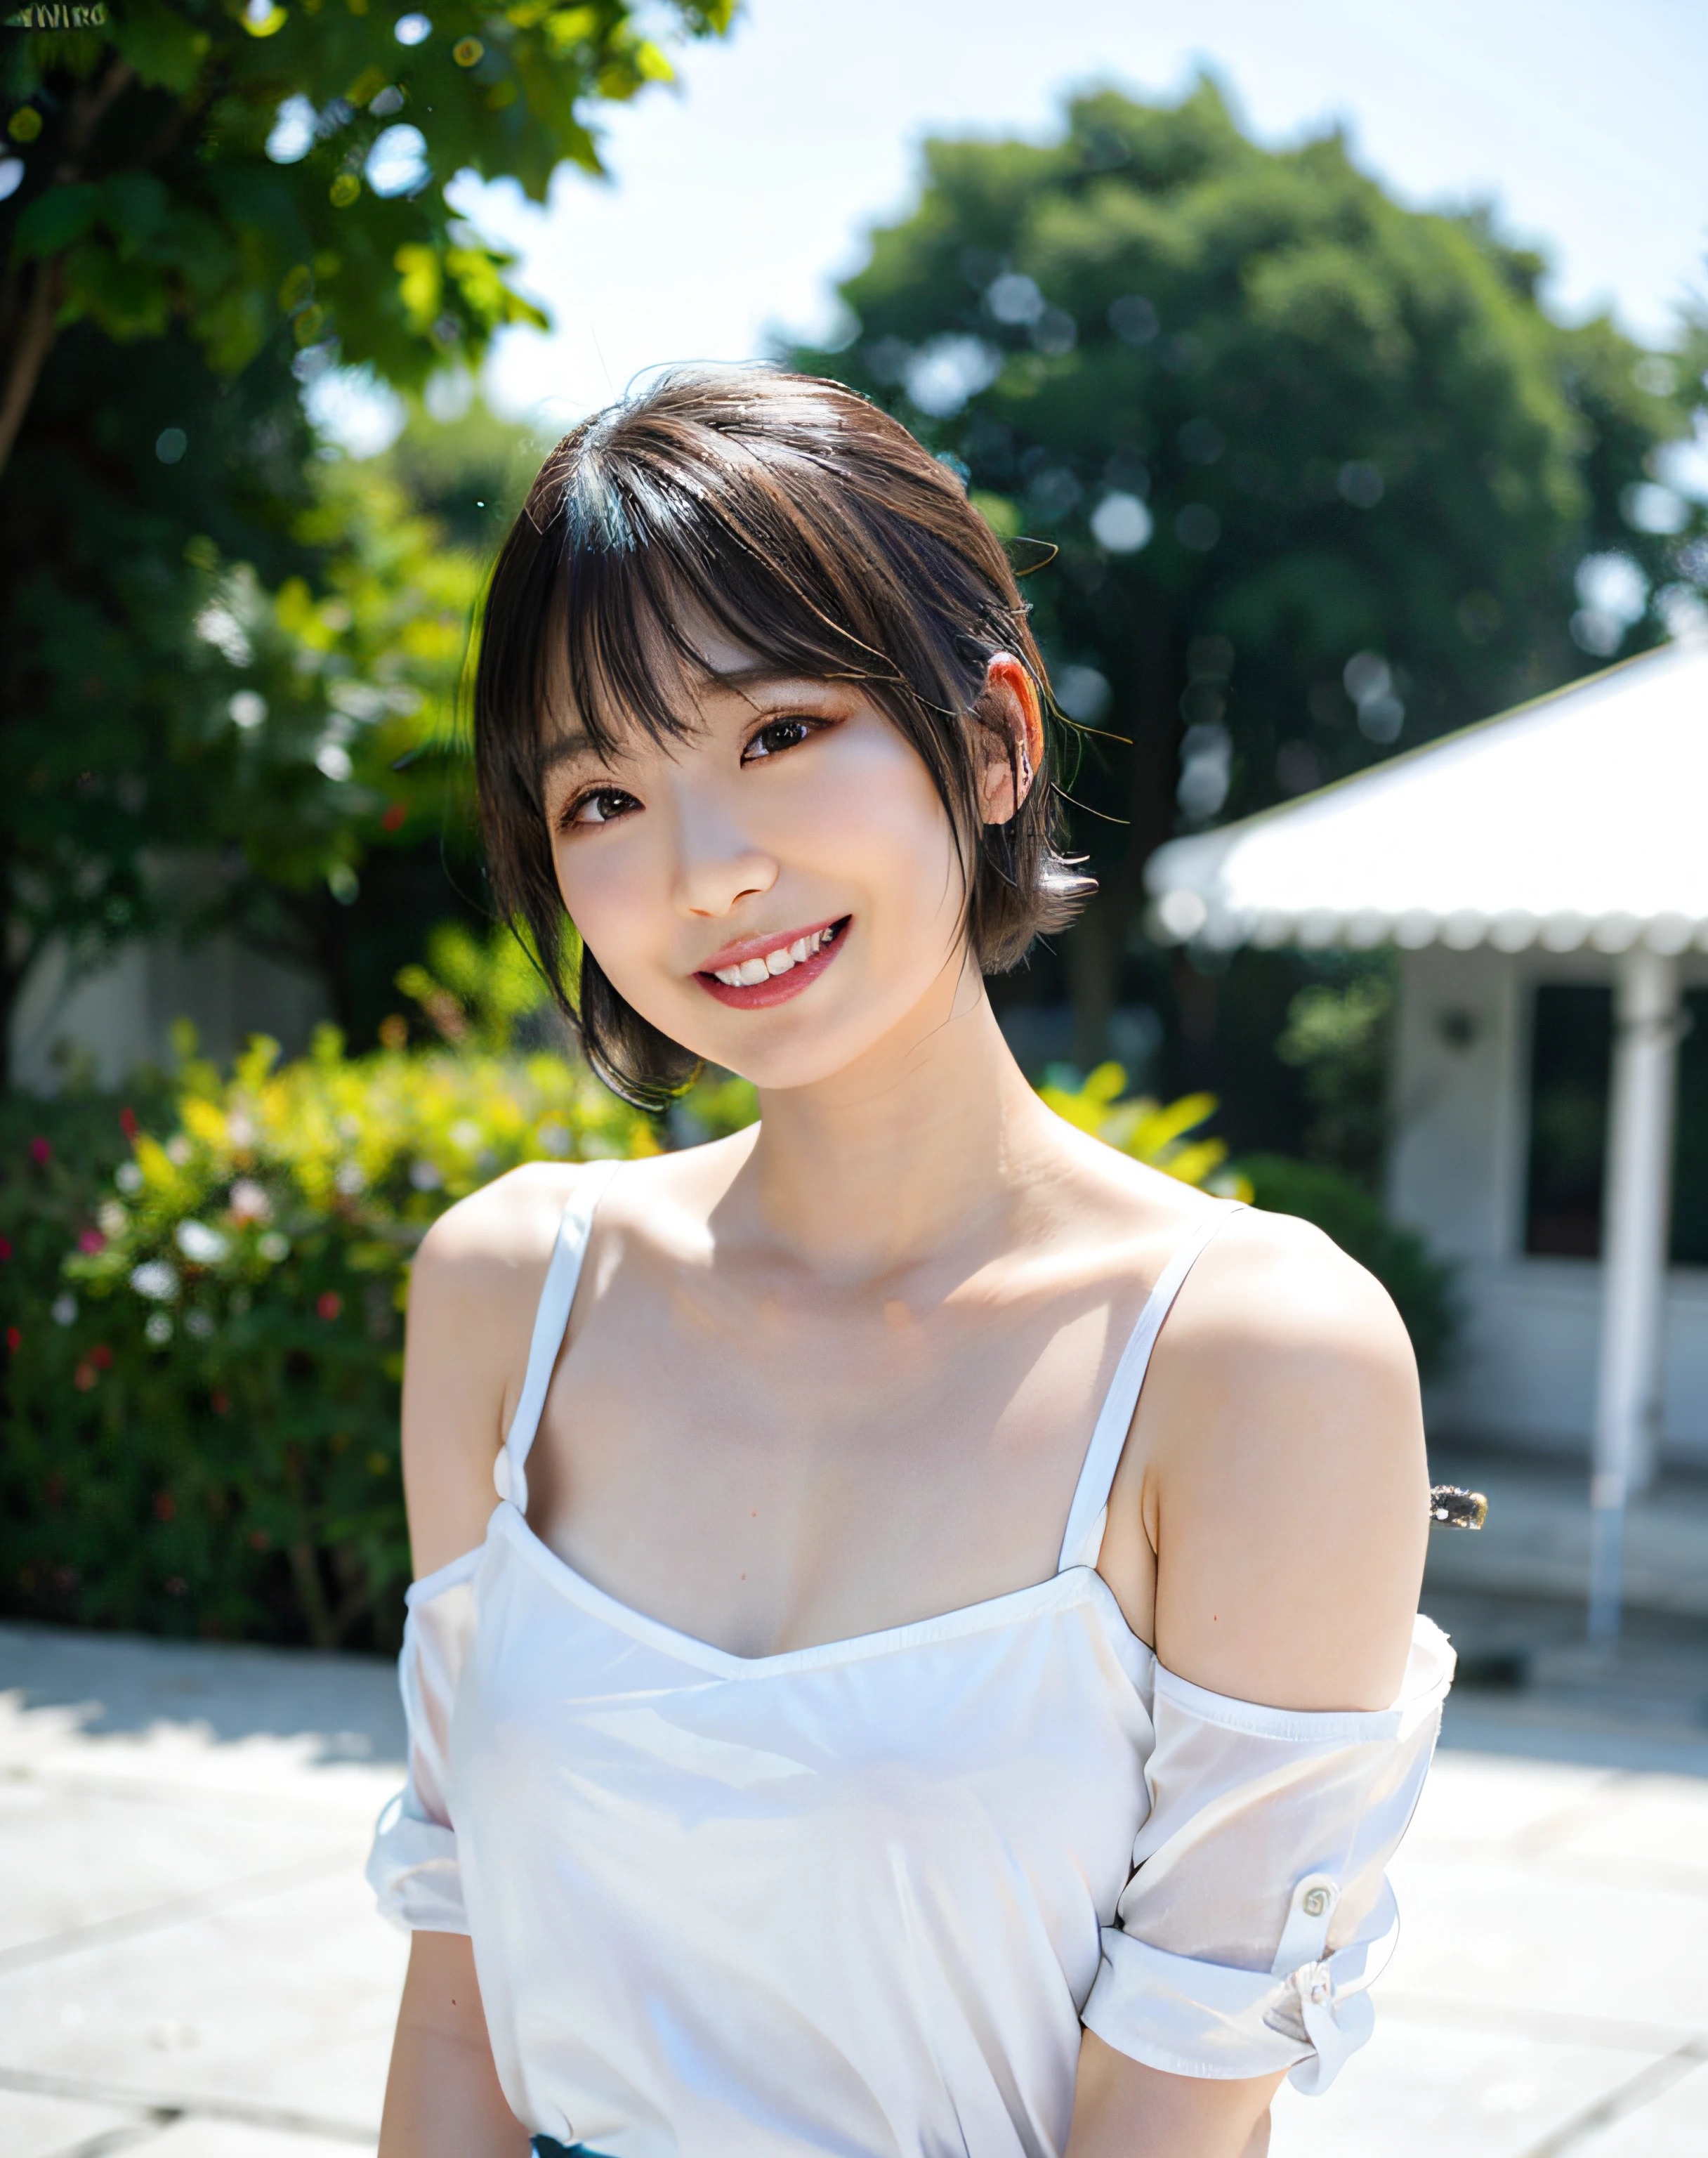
(217, 646)
(477, 991)
(1421, 1284)
(1338, 1036)
(262, 174)
(201, 1411)
(1317, 473)
(1154, 1132)
(221, 730)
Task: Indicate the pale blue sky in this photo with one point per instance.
(737, 197)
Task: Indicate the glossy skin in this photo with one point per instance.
(877, 1326)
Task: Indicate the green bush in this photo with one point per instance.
(1421, 1284)
(201, 1428)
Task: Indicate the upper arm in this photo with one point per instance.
(1283, 1479)
(473, 1289)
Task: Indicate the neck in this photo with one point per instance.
(901, 1153)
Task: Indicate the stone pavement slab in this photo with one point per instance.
(31, 2126)
(190, 1964)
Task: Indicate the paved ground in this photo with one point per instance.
(190, 1966)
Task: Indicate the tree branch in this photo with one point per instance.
(37, 328)
(28, 356)
(90, 108)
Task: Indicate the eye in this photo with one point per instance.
(776, 736)
(600, 805)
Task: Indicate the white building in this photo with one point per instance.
(1545, 878)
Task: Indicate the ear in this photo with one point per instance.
(1014, 726)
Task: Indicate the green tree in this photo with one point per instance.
(1320, 473)
(238, 171)
(215, 646)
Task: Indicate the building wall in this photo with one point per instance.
(104, 1024)
(1456, 1172)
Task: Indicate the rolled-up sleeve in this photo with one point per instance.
(413, 1868)
(1259, 1911)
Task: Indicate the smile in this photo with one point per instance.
(770, 970)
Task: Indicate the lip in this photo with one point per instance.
(776, 988)
(762, 948)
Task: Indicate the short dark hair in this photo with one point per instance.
(811, 528)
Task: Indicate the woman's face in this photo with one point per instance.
(779, 890)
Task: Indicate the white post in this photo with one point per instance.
(1634, 1221)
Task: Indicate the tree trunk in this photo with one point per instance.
(1092, 955)
(1099, 944)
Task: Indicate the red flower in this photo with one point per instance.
(14, 1339)
(5, 1247)
(127, 1122)
(329, 1303)
(102, 1357)
(165, 1506)
(392, 819)
(92, 1240)
(40, 1150)
(83, 1378)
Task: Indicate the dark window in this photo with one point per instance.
(1690, 1236)
(1572, 1041)
(1570, 1064)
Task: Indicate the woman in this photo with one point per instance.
(866, 1723)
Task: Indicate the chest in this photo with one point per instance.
(765, 1470)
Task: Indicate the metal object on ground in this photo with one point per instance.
(1450, 1506)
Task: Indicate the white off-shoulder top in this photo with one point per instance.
(860, 1898)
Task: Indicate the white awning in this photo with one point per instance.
(1582, 819)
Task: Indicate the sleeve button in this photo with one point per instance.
(1316, 1903)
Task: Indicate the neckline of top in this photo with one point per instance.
(1428, 1670)
(1072, 1585)
(1082, 1541)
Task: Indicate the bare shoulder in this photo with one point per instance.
(1281, 1458)
(474, 1289)
(1272, 1298)
(506, 1226)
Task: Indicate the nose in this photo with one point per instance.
(718, 863)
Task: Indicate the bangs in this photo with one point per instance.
(644, 565)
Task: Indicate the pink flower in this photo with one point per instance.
(92, 1240)
(40, 1150)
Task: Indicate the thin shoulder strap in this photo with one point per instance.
(1090, 1511)
(509, 1473)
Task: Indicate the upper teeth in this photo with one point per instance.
(751, 971)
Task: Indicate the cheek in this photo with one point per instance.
(611, 889)
(870, 814)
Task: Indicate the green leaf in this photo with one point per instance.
(133, 206)
(166, 51)
(53, 221)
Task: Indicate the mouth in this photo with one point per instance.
(769, 970)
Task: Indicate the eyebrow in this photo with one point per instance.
(562, 748)
(577, 741)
